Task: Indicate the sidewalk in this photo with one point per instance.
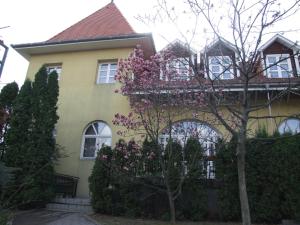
(45, 217)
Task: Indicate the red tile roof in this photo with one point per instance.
(108, 21)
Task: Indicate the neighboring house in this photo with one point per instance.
(86, 56)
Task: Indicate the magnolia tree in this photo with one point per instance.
(245, 24)
(159, 95)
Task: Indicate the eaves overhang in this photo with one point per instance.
(111, 42)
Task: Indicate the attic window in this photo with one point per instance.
(220, 67)
(107, 72)
(181, 69)
(278, 66)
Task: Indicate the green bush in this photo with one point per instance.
(131, 184)
(272, 175)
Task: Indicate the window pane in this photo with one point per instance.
(111, 79)
(104, 67)
(90, 131)
(215, 61)
(274, 74)
(284, 74)
(89, 147)
(283, 59)
(274, 68)
(105, 141)
(105, 131)
(289, 126)
(226, 61)
(113, 66)
(284, 67)
(226, 75)
(103, 73)
(215, 69)
(215, 75)
(102, 80)
(271, 59)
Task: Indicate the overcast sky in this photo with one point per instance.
(37, 20)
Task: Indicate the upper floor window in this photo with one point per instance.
(107, 72)
(278, 65)
(54, 67)
(291, 125)
(182, 69)
(95, 136)
(220, 67)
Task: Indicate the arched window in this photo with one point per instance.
(291, 125)
(183, 130)
(95, 136)
(207, 136)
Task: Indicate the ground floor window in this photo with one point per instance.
(96, 135)
(207, 136)
(291, 125)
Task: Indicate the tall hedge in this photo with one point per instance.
(272, 175)
(131, 184)
(30, 143)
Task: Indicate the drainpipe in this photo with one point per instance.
(269, 105)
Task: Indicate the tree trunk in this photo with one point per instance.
(241, 152)
(172, 207)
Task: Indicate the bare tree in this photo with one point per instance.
(227, 92)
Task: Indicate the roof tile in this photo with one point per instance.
(108, 21)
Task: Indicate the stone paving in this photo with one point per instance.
(45, 217)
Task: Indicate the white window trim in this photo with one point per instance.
(98, 142)
(209, 139)
(221, 77)
(107, 73)
(176, 63)
(296, 59)
(54, 67)
(288, 58)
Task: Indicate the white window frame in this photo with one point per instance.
(208, 139)
(221, 67)
(99, 139)
(179, 65)
(278, 64)
(108, 71)
(55, 67)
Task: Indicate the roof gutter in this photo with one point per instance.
(26, 50)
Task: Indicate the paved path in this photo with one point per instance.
(45, 217)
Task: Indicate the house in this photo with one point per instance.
(86, 56)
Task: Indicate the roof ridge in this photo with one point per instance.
(90, 19)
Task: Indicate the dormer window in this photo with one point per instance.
(278, 66)
(220, 67)
(180, 66)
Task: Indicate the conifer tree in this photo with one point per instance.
(7, 96)
(31, 145)
(17, 137)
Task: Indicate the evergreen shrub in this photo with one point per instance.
(131, 184)
(272, 175)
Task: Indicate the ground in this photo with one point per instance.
(110, 220)
(45, 217)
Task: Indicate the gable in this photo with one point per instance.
(277, 48)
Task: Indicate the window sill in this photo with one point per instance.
(87, 158)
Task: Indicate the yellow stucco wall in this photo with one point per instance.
(82, 101)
